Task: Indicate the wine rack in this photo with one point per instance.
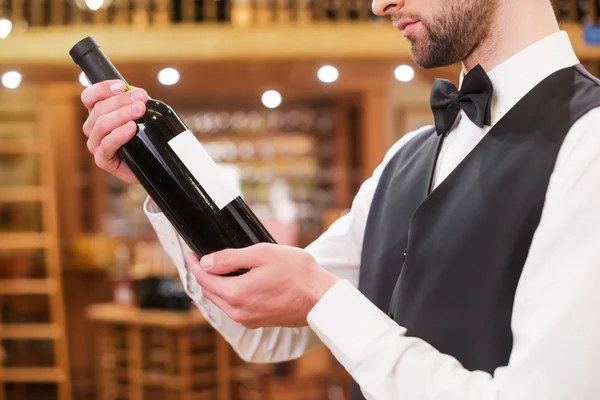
(143, 13)
(166, 12)
(235, 12)
(148, 354)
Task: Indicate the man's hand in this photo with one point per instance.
(110, 124)
(283, 284)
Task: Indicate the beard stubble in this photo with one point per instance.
(452, 36)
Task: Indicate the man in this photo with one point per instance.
(474, 245)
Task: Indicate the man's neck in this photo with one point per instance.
(518, 24)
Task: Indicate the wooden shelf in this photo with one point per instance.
(17, 128)
(202, 379)
(20, 146)
(203, 361)
(30, 331)
(22, 193)
(26, 240)
(121, 372)
(27, 286)
(166, 319)
(203, 395)
(32, 375)
(162, 380)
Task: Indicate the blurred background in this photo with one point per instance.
(301, 98)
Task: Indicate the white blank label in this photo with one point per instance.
(197, 160)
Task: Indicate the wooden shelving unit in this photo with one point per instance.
(147, 354)
(169, 355)
(30, 331)
(24, 134)
(27, 286)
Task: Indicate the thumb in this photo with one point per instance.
(230, 261)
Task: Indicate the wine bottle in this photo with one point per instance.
(183, 180)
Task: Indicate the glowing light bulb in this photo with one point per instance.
(168, 76)
(271, 99)
(11, 79)
(5, 28)
(94, 5)
(404, 73)
(328, 74)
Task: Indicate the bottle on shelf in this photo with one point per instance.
(332, 10)
(123, 292)
(304, 12)
(284, 11)
(355, 10)
(264, 12)
(156, 280)
(241, 13)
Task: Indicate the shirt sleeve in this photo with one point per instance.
(337, 250)
(555, 321)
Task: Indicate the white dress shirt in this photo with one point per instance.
(555, 322)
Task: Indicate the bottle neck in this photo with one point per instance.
(98, 68)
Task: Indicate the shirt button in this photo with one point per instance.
(404, 256)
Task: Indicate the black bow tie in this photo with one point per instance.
(474, 97)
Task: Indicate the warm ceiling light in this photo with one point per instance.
(271, 99)
(5, 28)
(168, 76)
(94, 4)
(404, 73)
(83, 80)
(11, 79)
(328, 74)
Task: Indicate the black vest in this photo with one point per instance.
(445, 264)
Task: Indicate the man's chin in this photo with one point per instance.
(425, 59)
(419, 57)
(427, 63)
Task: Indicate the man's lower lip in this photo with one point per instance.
(408, 29)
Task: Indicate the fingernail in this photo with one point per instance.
(207, 261)
(135, 109)
(138, 95)
(117, 87)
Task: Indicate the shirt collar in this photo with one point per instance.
(515, 77)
